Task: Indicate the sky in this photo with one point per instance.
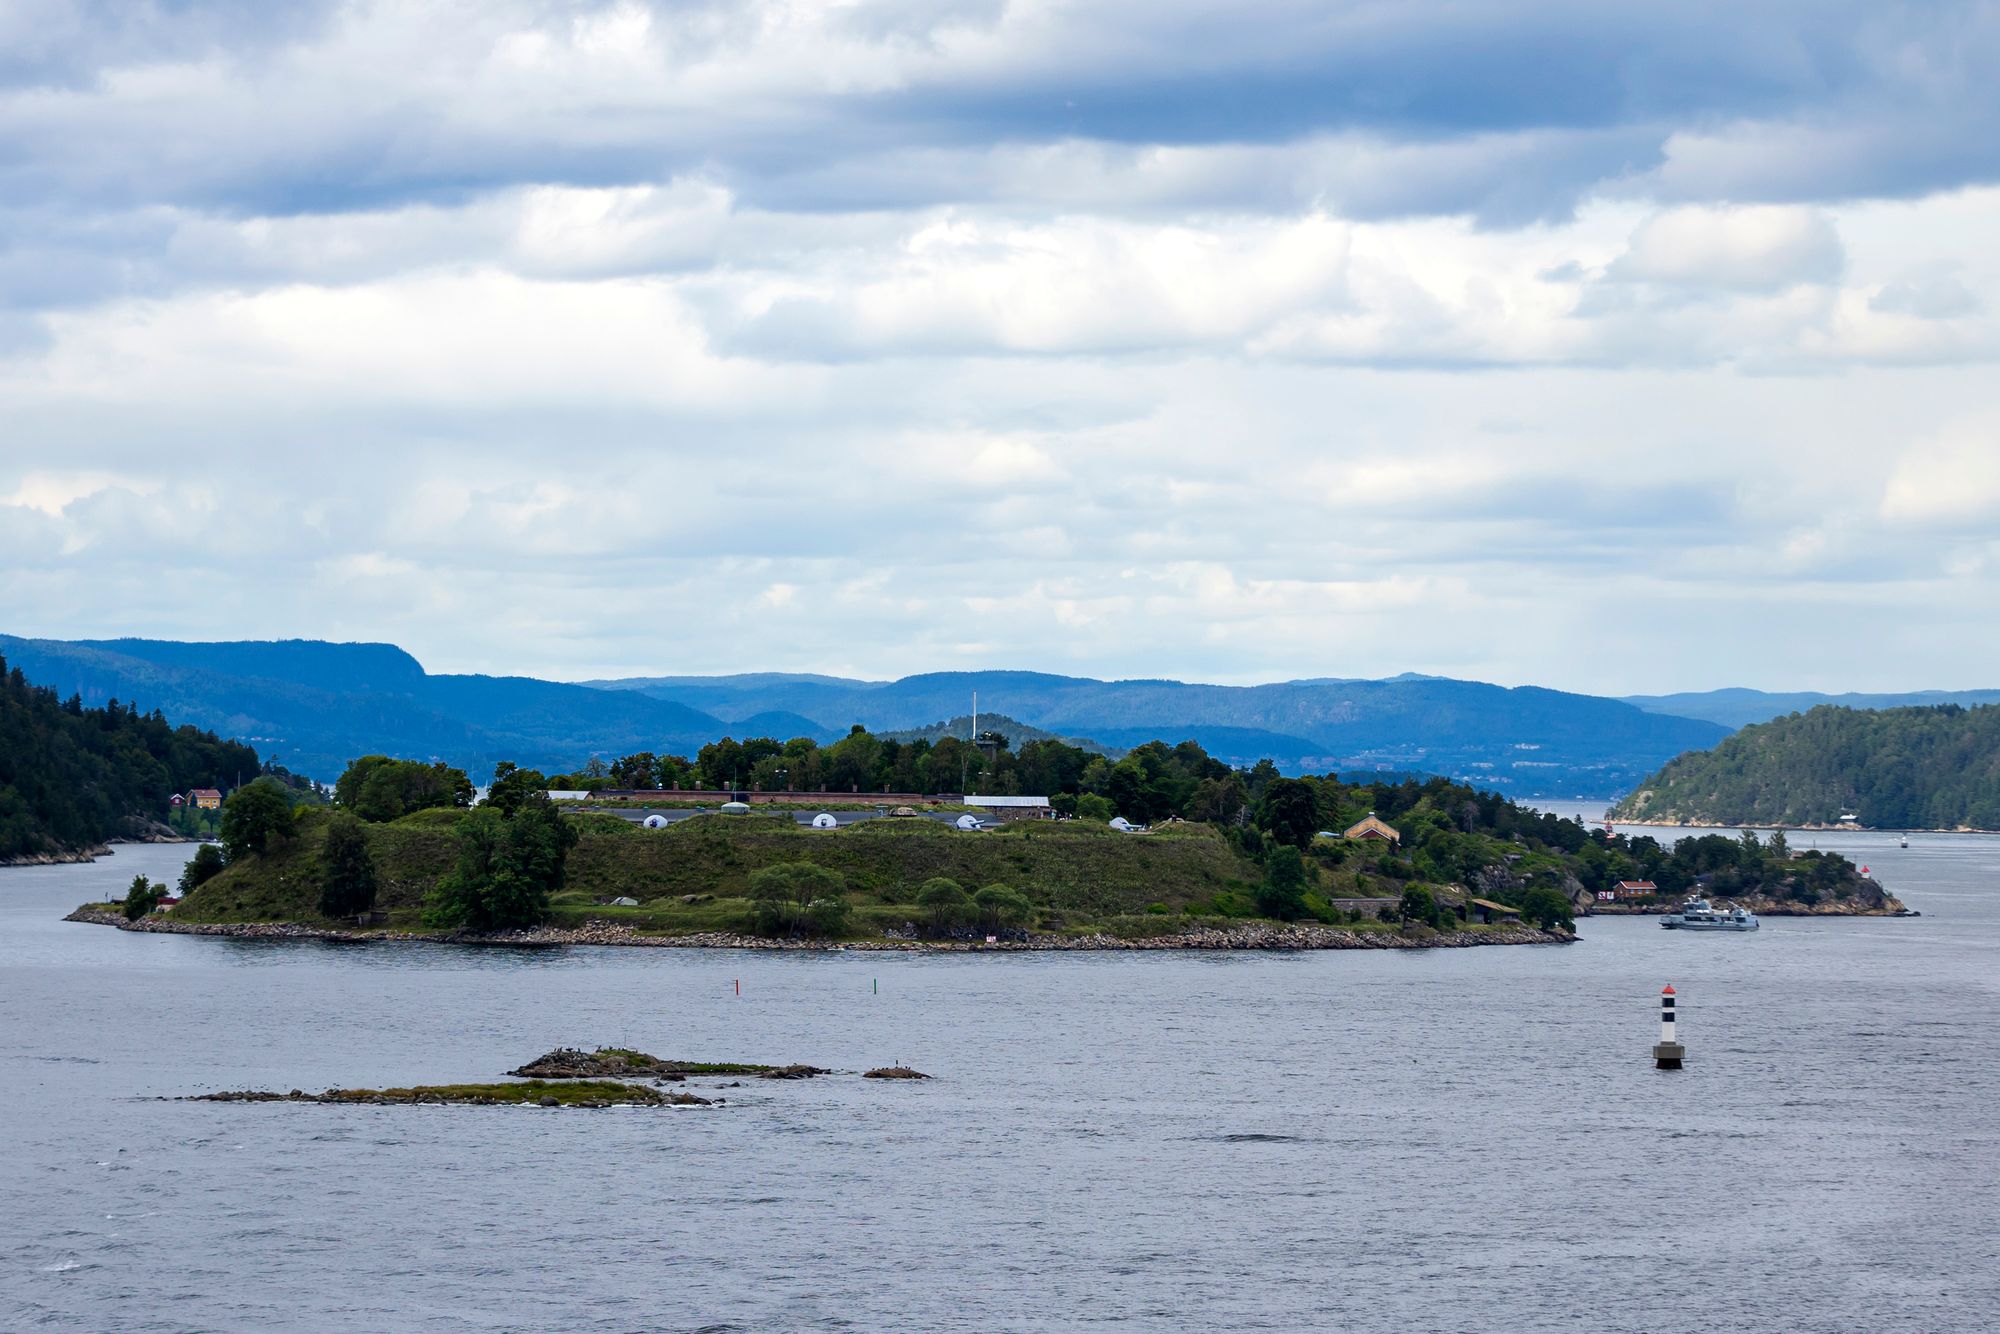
(1616, 348)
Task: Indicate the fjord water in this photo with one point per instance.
(1454, 1139)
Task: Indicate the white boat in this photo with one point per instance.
(1906, 840)
(1697, 915)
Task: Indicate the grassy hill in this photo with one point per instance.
(1076, 873)
(1910, 768)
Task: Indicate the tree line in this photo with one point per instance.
(72, 777)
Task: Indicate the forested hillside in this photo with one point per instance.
(1911, 768)
(71, 777)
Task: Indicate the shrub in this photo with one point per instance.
(1283, 893)
(1417, 905)
(825, 917)
(946, 901)
(1547, 908)
(1002, 906)
(142, 898)
(783, 899)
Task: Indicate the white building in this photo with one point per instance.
(1013, 808)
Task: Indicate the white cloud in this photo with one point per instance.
(1215, 340)
(1949, 479)
(1761, 249)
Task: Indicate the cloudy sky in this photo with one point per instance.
(1611, 347)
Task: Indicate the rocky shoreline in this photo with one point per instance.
(68, 858)
(78, 856)
(1248, 937)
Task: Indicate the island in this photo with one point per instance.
(1919, 768)
(1168, 849)
(565, 1077)
(1278, 863)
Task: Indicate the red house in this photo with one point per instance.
(1628, 889)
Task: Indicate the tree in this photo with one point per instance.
(142, 898)
(946, 902)
(378, 788)
(508, 867)
(1547, 908)
(253, 816)
(347, 887)
(1002, 906)
(1283, 893)
(513, 785)
(204, 866)
(1290, 811)
(1417, 904)
(782, 898)
(637, 771)
(1090, 806)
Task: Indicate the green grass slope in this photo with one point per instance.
(1074, 872)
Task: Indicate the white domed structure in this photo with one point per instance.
(735, 808)
(825, 821)
(1122, 825)
(968, 822)
(655, 822)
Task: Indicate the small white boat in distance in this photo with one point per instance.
(1697, 915)
(1906, 840)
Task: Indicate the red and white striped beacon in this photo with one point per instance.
(1668, 1051)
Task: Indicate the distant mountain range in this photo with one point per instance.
(313, 706)
(1524, 741)
(1738, 707)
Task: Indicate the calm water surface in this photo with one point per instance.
(1463, 1139)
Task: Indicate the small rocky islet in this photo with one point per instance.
(624, 1063)
(564, 1077)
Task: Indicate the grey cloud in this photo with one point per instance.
(1545, 101)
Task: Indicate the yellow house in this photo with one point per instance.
(1372, 828)
(205, 799)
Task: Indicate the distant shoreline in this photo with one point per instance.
(83, 856)
(1796, 828)
(1263, 937)
(68, 857)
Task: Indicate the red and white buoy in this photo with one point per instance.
(1667, 1052)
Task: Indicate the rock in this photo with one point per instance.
(894, 1072)
(547, 1100)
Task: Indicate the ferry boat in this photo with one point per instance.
(1697, 915)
